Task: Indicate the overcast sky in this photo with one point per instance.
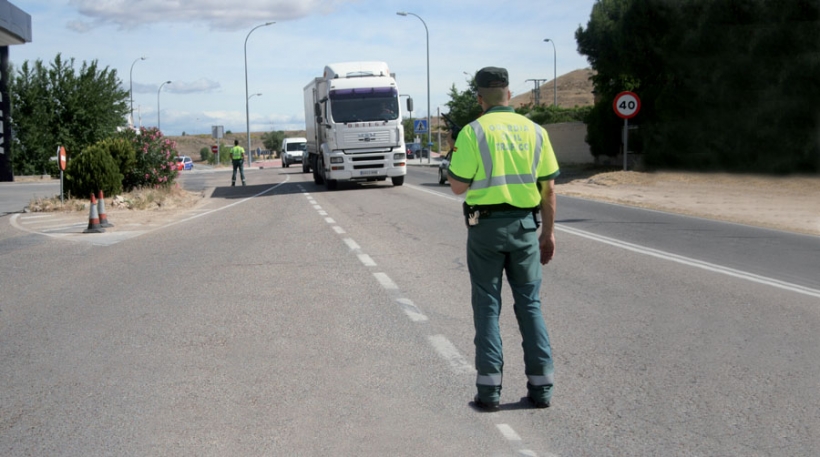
(199, 45)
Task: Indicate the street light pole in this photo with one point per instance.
(554, 73)
(247, 104)
(427, 33)
(158, 91)
(131, 89)
(249, 144)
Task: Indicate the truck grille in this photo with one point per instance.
(367, 161)
(367, 138)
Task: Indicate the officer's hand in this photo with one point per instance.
(547, 244)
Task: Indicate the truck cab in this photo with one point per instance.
(353, 123)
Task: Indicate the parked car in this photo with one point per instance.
(415, 151)
(443, 166)
(184, 163)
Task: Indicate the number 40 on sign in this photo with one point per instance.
(626, 106)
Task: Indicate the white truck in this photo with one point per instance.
(353, 124)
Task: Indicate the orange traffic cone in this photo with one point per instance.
(101, 210)
(94, 219)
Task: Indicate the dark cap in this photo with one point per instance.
(489, 77)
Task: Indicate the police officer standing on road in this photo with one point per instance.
(238, 160)
(506, 165)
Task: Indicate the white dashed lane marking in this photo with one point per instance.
(449, 353)
(508, 432)
(366, 260)
(385, 281)
(411, 310)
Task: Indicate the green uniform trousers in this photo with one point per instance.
(507, 241)
(240, 165)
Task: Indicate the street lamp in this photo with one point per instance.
(158, 91)
(131, 88)
(554, 72)
(427, 32)
(247, 104)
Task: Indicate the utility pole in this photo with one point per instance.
(537, 91)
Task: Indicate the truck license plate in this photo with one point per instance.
(368, 172)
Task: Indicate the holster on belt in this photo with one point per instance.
(471, 214)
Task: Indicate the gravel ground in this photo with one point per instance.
(786, 203)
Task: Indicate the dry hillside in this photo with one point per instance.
(573, 89)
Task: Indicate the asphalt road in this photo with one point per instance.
(290, 320)
(14, 196)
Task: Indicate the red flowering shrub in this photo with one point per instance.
(154, 165)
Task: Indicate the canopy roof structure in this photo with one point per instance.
(15, 25)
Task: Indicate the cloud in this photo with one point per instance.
(79, 26)
(200, 86)
(197, 87)
(216, 14)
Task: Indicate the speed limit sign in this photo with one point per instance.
(626, 105)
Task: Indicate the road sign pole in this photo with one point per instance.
(626, 105)
(62, 161)
(626, 140)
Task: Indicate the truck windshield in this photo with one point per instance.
(296, 146)
(364, 104)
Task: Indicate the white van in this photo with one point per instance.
(292, 150)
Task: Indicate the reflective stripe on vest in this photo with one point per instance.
(488, 379)
(487, 161)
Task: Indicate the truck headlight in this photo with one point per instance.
(337, 160)
(398, 156)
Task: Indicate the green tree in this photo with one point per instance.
(409, 132)
(205, 153)
(273, 140)
(59, 105)
(551, 114)
(122, 152)
(464, 107)
(724, 84)
(91, 171)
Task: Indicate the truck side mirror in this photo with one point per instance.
(409, 104)
(317, 109)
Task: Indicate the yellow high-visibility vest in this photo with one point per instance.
(502, 155)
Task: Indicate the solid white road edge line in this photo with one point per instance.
(692, 262)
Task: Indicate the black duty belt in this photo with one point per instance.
(473, 213)
(500, 207)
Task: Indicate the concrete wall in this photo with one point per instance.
(567, 141)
